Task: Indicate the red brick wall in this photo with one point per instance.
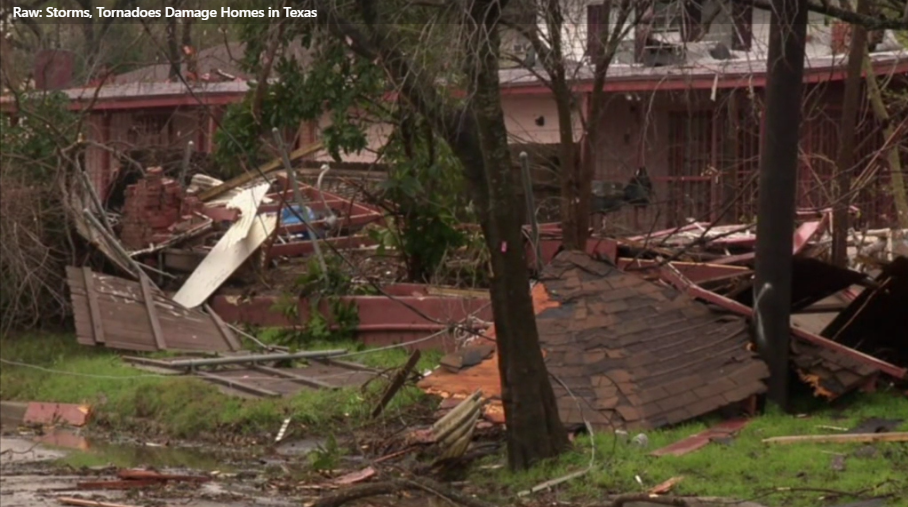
(153, 206)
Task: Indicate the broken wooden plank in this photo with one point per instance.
(229, 338)
(246, 177)
(239, 385)
(118, 485)
(138, 474)
(145, 284)
(665, 487)
(397, 382)
(94, 311)
(355, 477)
(80, 502)
(345, 364)
(840, 439)
(222, 261)
(702, 439)
(289, 375)
(248, 203)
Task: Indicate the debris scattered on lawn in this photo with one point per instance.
(665, 487)
(80, 502)
(838, 463)
(54, 413)
(122, 314)
(249, 374)
(282, 431)
(398, 381)
(876, 425)
(702, 439)
(355, 477)
(151, 475)
(452, 433)
(466, 357)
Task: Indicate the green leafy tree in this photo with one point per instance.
(367, 49)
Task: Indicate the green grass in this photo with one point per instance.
(746, 469)
(125, 398)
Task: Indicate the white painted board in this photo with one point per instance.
(248, 203)
(223, 260)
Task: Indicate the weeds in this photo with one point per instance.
(330, 317)
(124, 398)
(743, 468)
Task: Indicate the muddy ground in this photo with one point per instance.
(34, 474)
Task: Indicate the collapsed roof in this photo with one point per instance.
(625, 352)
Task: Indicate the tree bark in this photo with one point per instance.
(477, 135)
(535, 431)
(173, 44)
(845, 155)
(897, 184)
(777, 191)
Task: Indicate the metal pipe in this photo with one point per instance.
(93, 195)
(531, 206)
(254, 358)
(185, 167)
(330, 218)
(300, 201)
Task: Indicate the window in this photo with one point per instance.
(667, 16)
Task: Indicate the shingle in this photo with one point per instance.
(637, 351)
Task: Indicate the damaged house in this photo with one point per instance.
(684, 95)
(625, 352)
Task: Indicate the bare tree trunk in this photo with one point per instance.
(894, 159)
(173, 44)
(845, 155)
(188, 51)
(778, 185)
(535, 431)
(477, 135)
(572, 224)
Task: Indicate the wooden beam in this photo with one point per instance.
(399, 379)
(299, 379)
(248, 176)
(226, 333)
(840, 438)
(238, 385)
(94, 310)
(152, 312)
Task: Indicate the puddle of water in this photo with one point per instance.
(300, 447)
(88, 452)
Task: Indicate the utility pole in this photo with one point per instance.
(778, 185)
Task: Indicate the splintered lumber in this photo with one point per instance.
(841, 439)
(248, 176)
(79, 502)
(399, 379)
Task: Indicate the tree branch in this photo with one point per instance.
(868, 22)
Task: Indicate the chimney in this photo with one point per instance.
(54, 69)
